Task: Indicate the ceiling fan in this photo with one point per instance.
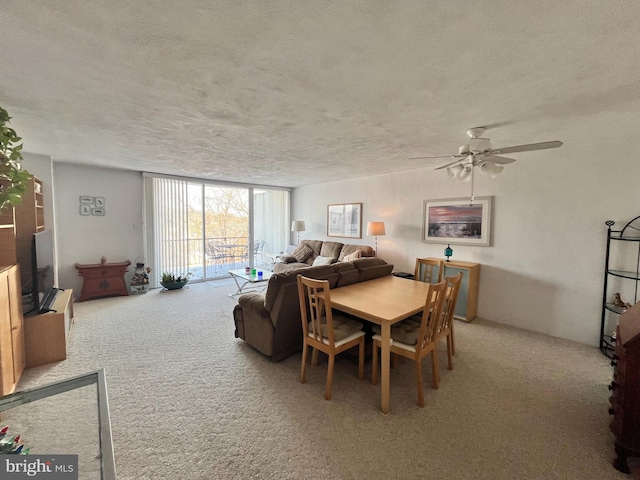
(478, 153)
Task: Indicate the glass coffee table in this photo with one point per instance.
(248, 282)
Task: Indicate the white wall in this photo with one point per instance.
(85, 239)
(545, 269)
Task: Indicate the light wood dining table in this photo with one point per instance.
(383, 301)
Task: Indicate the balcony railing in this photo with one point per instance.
(215, 256)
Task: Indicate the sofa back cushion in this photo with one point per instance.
(365, 251)
(277, 281)
(371, 268)
(347, 273)
(331, 249)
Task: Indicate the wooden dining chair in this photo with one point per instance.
(429, 270)
(445, 328)
(323, 331)
(414, 340)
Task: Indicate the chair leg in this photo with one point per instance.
(435, 368)
(314, 357)
(374, 363)
(303, 368)
(419, 383)
(394, 360)
(361, 360)
(453, 343)
(450, 351)
(332, 359)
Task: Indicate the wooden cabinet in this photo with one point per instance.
(102, 279)
(467, 305)
(8, 253)
(29, 219)
(47, 334)
(12, 359)
(625, 389)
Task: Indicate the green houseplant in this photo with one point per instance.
(13, 180)
(172, 282)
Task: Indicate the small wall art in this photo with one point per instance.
(92, 205)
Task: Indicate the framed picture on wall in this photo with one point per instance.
(457, 221)
(344, 220)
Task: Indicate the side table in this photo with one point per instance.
(102, 279)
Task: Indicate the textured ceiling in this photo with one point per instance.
(291, 93)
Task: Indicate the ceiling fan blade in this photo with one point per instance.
(528, 148)
(499, 160)
(451, 163)
(438, 156)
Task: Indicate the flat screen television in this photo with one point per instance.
(44, 292)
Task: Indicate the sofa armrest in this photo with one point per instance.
(288, 258)
(253, 302)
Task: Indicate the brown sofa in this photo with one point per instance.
(270, 322)
(336, 251)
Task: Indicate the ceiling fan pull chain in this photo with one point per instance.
(473, 168)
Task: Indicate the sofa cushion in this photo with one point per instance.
(352, 256)
(365, 251)
(331, 249)
(322, 261)
(371, 268)
(324, 272)
(302, 252)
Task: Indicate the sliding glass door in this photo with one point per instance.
(207, 229)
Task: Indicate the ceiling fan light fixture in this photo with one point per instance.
(454, 170)
(491, 168)
(464, 149)
(465, 174)
(496, 170)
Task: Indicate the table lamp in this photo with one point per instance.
(375, 229)
(297, 226)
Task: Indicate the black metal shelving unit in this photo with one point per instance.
(630, 233)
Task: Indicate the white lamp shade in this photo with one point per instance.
(465, 174)
(454, 170)
(375, 228)
(297, 226)
(490, 168)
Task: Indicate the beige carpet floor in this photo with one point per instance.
(190, 401)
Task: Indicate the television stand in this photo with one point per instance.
(46, 335)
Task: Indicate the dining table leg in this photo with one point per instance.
(385, 360)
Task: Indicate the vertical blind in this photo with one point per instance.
(166, 221)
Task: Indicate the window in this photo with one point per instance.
(208, 228)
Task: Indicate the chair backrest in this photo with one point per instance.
(315, 308)
(451, 297)
(258, 245)
(429, 270)
(432, 314)
(213, 250)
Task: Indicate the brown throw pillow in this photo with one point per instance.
(302, 252)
